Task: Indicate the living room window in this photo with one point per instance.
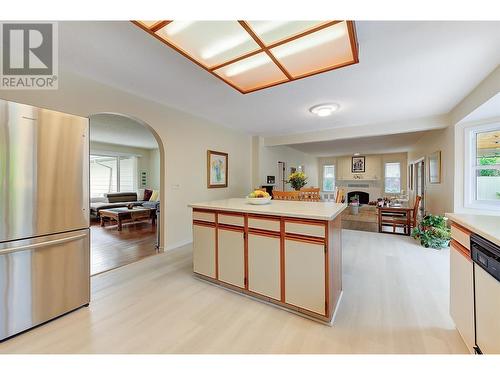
(112, 174)
(328, 178)
(392, 178)
(482, 167)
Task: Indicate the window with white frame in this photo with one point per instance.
(112, 174)
(482, 167)
(328, 178)
(392, 178)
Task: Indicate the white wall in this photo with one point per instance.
(374, 168)
(438, 197)
(185, 140)
(154, 167)
(267, 157)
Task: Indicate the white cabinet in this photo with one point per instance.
(487, 308)
(462, 295)
(305, 275)
(264, 265)
(231, 256)
(204, 250)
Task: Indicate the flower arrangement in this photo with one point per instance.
(433, 232)
(298, 180)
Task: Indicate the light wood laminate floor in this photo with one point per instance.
(395, 301)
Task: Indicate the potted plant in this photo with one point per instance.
(433, 232)
(297, 180)
(354, 205)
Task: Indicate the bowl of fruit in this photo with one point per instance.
(258, 197)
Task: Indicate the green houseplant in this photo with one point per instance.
(298, 180)
(433, 232)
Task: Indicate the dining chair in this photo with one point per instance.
(286, 195)
(309, 194)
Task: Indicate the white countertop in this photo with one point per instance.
(485, 225)
(308, 210)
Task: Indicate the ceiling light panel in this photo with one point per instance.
(210, 43)
(273, 31)
(315, 52)
(252, 55)
(252, 72)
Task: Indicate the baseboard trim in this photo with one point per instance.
(177, 245)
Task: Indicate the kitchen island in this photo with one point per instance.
(287, 253)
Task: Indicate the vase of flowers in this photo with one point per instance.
(297, 180)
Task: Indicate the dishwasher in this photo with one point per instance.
(486, 257)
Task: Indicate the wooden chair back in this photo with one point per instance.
(286, 195)
(309, 194)
(340, 196)
(418, 198)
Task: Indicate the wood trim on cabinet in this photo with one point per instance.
(305, 239)
(461, 249)
(233, 228)
(216, 246)
(245, 250)
(282, 259)
(327, 273)
(204, 223)
(461, 228)
(265, 233)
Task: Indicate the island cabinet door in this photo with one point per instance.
(231, 256)
(305, 275)
(462, 293)
(204, 249)
(264, 264)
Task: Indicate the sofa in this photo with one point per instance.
(114, 200)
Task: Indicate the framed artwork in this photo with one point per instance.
(271, 180)
(434, 163)
(358, 164)
(217, 169)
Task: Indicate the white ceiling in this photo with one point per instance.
(384, 144)
(407, 70)
(120, 130)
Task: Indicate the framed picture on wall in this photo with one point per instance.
(217, 169)
(434, 163)
(358, 164)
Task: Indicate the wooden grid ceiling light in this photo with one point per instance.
(254, 55)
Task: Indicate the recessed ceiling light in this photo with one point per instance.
(323, 110)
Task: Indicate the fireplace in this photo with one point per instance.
(363, 197)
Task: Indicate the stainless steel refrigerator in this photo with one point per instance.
(44, 216)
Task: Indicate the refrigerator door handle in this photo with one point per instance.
(42, 244)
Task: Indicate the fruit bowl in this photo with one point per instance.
(265, 200)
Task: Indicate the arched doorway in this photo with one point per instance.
(126, 190)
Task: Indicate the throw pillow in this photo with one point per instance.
(154, 196)
(140, 194)
(147, 194)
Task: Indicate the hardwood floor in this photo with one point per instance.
(110, 248)
(395, 300)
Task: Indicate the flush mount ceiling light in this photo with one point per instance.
(253, 55)
(323, 110)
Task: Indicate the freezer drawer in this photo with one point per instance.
(44, 172)
(42, 278)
